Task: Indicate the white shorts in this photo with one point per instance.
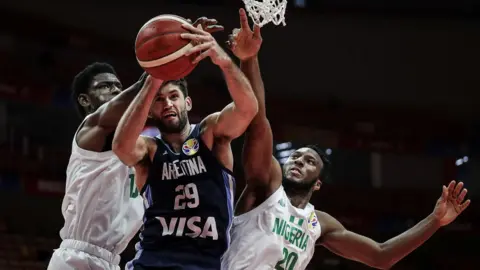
(78, 255)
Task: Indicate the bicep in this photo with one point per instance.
(350, 245)
(137, 154)
(231, 123)
(353, 246)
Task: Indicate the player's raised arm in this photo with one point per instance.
(104, 120)
(258, 161)
(109, 114)
(384, 255)
(232, 121)
(127, 143)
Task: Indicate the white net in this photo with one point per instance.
(265, 11)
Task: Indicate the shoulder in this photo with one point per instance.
(209, 121)
(207, 126)
(328, 222)
(150, 142)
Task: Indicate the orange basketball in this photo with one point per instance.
(160, 49)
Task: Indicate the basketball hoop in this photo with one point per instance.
(265, 11)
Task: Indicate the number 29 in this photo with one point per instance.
(187, 196)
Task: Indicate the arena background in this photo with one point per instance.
(390, 88)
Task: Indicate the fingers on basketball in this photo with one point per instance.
(196, 37)
(196, 30)
(200, 20)
(214, 28)
(199, 48)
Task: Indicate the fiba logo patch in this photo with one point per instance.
(190, 147)
(312, 221)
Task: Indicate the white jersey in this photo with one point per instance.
(101, 204)
(274, 235)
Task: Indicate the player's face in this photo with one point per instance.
(170, 109)
(302, 169)
(103, 88)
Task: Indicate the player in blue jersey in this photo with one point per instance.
(184, 174)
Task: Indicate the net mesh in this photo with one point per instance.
(265, 11)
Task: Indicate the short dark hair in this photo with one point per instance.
(82, 81)
(324, 173)
(181, 83)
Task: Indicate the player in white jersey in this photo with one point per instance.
(101, 207)
(275, 225)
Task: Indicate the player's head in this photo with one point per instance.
(94, 86)
(170, 109)
(305, 169)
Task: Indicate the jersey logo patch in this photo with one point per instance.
(190, 147)
(312, 221)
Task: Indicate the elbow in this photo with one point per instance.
(123, 154)
(117, 148)
(383, 260)
(120, 149)
(251, 108)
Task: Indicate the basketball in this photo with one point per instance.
(160, 49)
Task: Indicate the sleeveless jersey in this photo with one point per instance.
(188, 199)
(101, 204)
(274, 235)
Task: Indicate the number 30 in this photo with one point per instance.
(188, 196)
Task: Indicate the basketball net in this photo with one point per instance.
(265, 11)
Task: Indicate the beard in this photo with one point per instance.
(173, 127)
(294, 187)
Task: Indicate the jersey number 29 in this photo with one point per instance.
(187, 196)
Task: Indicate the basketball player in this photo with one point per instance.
(101, 209)
(185, 175)
(276, 227)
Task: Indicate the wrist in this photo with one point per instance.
(250, 59)
(226, 64)
(434, 220)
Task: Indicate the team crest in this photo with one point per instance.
(312, 221)
(190, 147)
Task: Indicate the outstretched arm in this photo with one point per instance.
(127, 143)
(384, 255)
(232, 121)
(257, 158)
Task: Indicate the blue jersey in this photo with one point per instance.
(188, 199)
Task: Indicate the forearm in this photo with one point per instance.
(133, 120)
(111, 113)
(240, 89)
(258, 143)
(400, 246)
(251, 69)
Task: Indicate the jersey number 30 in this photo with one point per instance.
(187, 196)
